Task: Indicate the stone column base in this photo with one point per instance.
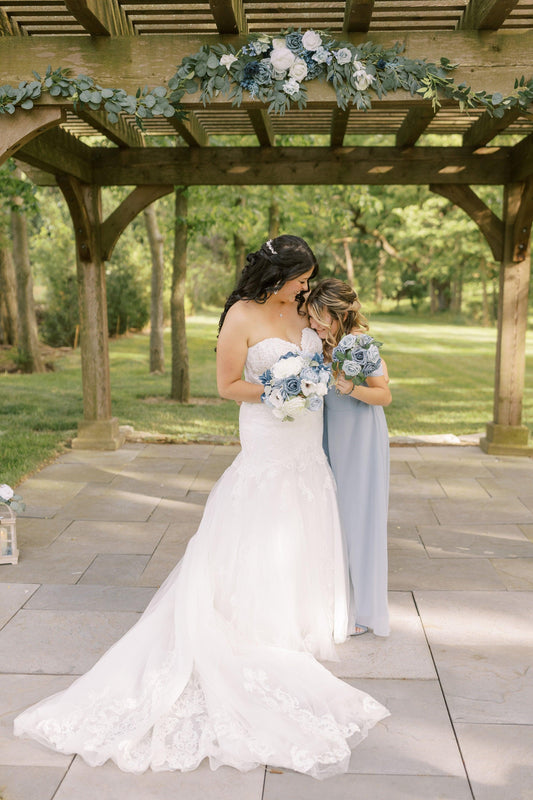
(101, 434)
(506, 440)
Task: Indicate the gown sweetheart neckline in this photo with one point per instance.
(281, 339)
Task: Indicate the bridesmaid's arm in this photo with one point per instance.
(377, 393)
(232, 349)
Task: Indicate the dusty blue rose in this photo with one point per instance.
(314, 403)
(292, 385)
(351, 368)
(347, 341)
(294, 42)
(309, 374)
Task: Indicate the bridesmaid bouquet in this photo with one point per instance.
(296, 384)
(357, 355)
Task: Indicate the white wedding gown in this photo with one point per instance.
(221, 664)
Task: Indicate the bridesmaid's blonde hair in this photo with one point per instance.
(338, 300)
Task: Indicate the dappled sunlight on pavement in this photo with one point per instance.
(103, 530)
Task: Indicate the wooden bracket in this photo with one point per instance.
(490, 225)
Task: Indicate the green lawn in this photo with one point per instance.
(441, 380)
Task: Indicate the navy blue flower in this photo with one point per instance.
(313, 68)
(381, 64)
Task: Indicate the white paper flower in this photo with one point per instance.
(6, 492)
(291, 87)
(287, 366)
(282, 58)
(275, 398)
(298, 71)
(311, 40)
(227, 60)
(294, 406)
(343, 56)
(358, 65)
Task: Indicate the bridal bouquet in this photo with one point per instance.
(296, 384)
(357, 355)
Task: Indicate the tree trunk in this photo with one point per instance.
(348, 260)
(456, 302)
(8, 298)
(273, 216)
(27, 338)
(485, 313)
(433, 298)
(380, 274)
(157, 356)
(239, 245)
(180, 388)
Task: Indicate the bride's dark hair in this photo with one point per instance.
(277, 261)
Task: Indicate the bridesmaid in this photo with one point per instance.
(356, 441)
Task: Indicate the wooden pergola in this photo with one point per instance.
(131, 44)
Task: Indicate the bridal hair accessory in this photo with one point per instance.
(270, 246)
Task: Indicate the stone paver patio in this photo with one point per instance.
(102, 530)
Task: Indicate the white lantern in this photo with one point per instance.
(9, 553)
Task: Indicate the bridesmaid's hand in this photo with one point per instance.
(343, 385)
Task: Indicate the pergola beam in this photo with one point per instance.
(20, 128)
(486, 15)
(60, 153)
(262, 125)
(151, 60)
(100, 17)
(300, 165)
(339, 123)
(191, 130)
(357, 15)
(486, 127)
(120, 133)
(229, 16)
(415, 123)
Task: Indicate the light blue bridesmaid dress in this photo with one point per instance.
(356, 441)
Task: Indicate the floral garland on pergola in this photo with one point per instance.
(274, 70)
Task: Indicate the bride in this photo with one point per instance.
(222, 664)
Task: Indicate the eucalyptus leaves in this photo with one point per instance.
(275, 71)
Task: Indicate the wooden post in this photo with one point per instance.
(95, 240)
(505, 434)
(98, 430)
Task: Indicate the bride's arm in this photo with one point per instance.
(232, 349)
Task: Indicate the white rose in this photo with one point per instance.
(291, 87)
(362, 80)
(294, 407)
(321, 389)
(277, 43)
(287, 367)
(343, 56)
(311, 40)
(227, 60)
(6, 492)
(298, 71)
(282, 58)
